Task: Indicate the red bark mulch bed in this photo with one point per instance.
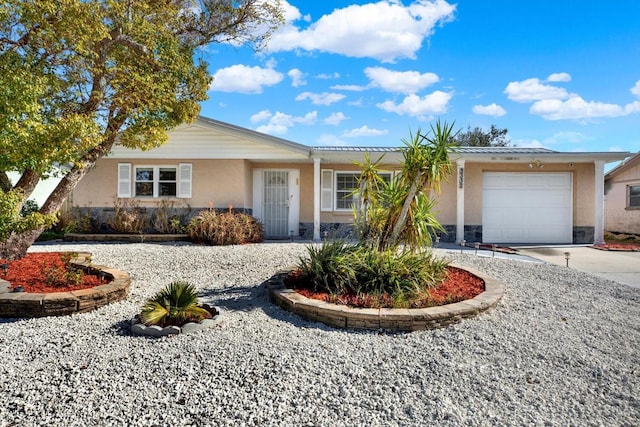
(459, 285)
(44, 272)
(618, 246)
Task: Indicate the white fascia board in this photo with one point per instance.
(556, 157)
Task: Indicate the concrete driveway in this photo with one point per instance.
(621, 267)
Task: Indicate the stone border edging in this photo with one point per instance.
(138, 328)
(129, 238)
(25, 304)
(341, 316)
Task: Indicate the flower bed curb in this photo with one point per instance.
(24, 304)
(341, 316)
(138, 328)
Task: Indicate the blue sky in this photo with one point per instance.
(561, 74)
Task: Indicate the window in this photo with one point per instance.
(154, 181)
(345, 184)
(633, 200)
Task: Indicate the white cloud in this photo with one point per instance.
(577, 108)
(243, 79)
(364, 131)
(297, 77)
(528, 143)
(555, 103)
(406, 82)
(534, 90)
(279, 123)
(260, 116)
(566, 136)
(615, 148)
(351, 88)
(273, 129)
(385, 30)
(325, 98)
(559, 77)
(489, 110)
(335, 119)
(328, 76)
(329, 140)
(415, 106)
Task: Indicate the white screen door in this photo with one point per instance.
(275, 203)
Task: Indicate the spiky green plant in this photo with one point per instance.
(176, 304)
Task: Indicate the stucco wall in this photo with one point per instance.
(230, 182)
(618, 217)
(218, 182)
(583, 190)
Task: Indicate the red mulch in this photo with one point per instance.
(459, 285)
(36, 269)
(618, 246)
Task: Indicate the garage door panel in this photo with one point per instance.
(527, 207)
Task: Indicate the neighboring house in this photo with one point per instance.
(496, 195)
(622, 197)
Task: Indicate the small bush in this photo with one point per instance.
(76, 221)
(176, 305)
(326, 269)
(167, 219)
(30, 206)
(128, 217)
(224, 228)
(338, 268)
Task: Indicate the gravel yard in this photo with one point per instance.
(562, 348)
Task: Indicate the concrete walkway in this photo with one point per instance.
(621, 267)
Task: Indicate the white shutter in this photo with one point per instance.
(124, 180)
(326, 194)
(184, 180)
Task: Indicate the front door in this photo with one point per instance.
(275, 203)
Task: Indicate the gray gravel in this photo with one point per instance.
(562, 348)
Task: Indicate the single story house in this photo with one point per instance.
(622, 195)
(496, 195)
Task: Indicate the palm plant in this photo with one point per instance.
(176, 304)
(401, 212)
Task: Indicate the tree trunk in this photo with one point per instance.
(16, 245)
(402, 218)
(27, 182)
(5, 183)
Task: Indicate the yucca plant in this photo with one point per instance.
(176, 305)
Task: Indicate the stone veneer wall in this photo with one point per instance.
(472, 233)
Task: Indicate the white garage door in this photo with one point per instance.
(526, 207)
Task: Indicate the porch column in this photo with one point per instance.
(598, 223)
(316, 199)
(460, 202)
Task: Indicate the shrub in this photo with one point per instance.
(337, 268)
(326, 269)
(224, 228)
(167, 219)
(30, 206)
(76, 221)
(11, 220)
(176, 305)
(128, 217)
